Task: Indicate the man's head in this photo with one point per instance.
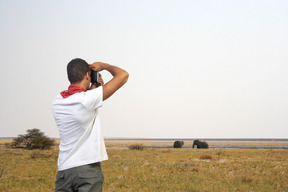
(77, 70)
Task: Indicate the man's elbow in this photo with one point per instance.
(125, 76)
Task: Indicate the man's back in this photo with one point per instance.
(79, 126)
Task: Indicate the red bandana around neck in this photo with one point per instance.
(71, 90)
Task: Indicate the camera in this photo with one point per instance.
(95, 76)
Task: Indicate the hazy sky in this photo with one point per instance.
(198, 69)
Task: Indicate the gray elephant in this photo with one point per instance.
(200, 144)
(178, 144)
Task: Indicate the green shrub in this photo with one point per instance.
(34, 139)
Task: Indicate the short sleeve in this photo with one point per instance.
(93, 99)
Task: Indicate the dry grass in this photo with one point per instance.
(3, 141)
(156, 170)
(24, 171)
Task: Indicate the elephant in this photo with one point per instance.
(200, 144)
(178, 144)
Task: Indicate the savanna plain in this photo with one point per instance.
(155, 169)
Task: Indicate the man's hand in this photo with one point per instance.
(101, 83)
(97, 66)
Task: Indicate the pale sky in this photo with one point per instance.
(198, 69)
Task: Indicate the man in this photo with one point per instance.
(76, 112)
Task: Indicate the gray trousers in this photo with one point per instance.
(86, 178)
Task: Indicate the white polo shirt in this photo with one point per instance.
(77, 118)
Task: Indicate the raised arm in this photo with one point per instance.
(120, 77)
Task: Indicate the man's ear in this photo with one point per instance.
(87, 75)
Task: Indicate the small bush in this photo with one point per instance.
(136, 147)
(209, 157)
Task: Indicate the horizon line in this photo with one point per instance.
(175, 138)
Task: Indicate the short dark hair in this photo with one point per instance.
(76, 70)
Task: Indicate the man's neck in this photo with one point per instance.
(80, 85)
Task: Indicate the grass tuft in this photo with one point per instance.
(208, 157)
(38, 154)
(246, 179)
